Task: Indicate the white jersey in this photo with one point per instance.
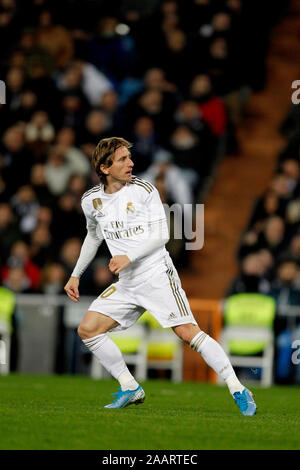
(123, 219)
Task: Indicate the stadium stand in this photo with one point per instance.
(174, 77)
(267, 255)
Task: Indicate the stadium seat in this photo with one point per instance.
(248, 331)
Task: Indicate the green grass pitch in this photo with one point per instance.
(65, 412)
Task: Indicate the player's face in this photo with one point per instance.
(121, 168)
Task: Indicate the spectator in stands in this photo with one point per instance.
(39, 128)
(39, 185)
(94, 83)
(188, 154)
(145, 143)
(293, 250)
(56, 39)
(20, 258)
(219, 68)
(69, 254)
(67, 215)
(16, 158)
(41, 248)
(285, 287)
(26, 108)
(39, 134)
(9, 230)
(291, 168)
(77, 186)
(73, 107)
(15, 78)
(293, 213)
(4, 186)
(177, 189)
(151, 103)
(44, 217)
(43, 85)
(33, 52)
(25, 205)
(96, 126)
(189, 114)
(177, 60)
(9, 22)
(109, 104)
(272, 237)
(280, 186)
(60, 166)
(212, 108)
(155, 79)
(111, 53)
(66, 139)
(53, 279)
(267, 205)
(71, 79)
(18, 281)
(250, 278)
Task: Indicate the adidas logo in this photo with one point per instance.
(172, 315)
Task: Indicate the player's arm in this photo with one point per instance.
(88, 252)
(158, 235)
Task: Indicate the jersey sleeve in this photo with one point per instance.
(158, 233)
(90, 245)
(154, 207)
(91, 224)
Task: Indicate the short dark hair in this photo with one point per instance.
(104, 152)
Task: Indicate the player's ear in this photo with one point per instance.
(104, 169)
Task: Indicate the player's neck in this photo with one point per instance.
(114, 186)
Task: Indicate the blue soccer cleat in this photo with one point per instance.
(245, 402)
(128, 397)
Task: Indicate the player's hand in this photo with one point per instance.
(71, 288)
(118, 262)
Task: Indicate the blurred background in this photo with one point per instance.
(202, 88)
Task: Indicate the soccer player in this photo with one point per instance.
(127, 213)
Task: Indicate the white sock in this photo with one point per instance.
(215, 357)
(110, 357)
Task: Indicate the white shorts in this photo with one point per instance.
(160, 293)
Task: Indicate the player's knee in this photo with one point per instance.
(186, 332)
(86, 331)
(89, 329)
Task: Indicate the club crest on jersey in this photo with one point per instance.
(130, 208)
(97, 203)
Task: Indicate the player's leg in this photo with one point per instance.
(92, 331)
(215, 357)
(165, 299)
(113, 309)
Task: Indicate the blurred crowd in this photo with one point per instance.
(269, 250)
(170, 76)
